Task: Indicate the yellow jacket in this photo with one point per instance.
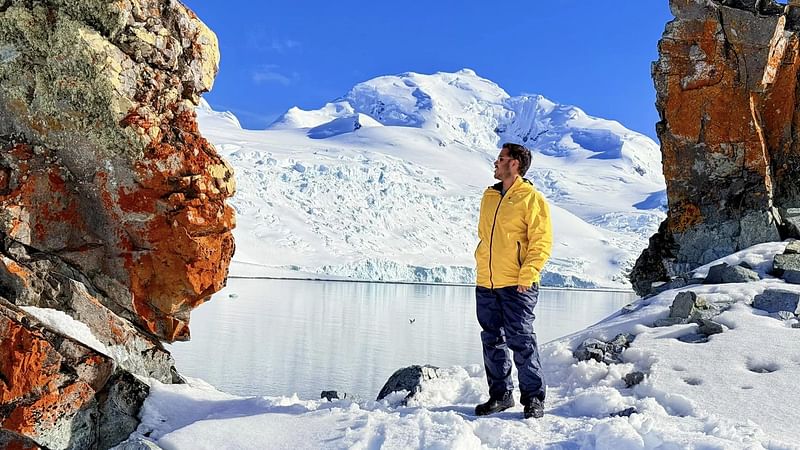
(515, 234)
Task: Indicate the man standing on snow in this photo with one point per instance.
(515, 241)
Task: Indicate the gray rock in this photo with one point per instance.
(792, 248)
(705, 309)
(682, 305)
(11, 440)
(119, 405)
(668, 322)
(709, 327)
(633, 378)
(785, 262)
(408, 379)
(332, 395)
(796, 325)
(791, 276)
(775, 300)
(694, 338)
(137, 444)
(714, 274)
(624, 413)
(605, 352)
(724, 273)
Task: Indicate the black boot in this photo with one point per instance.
(534, 409)
(495, 405)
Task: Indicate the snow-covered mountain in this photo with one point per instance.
(384, 183)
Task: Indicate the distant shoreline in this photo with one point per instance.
(419, 283)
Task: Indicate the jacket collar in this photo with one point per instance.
(499, 186)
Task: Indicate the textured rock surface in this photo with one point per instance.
(59, 392)
(102, 163)
(408, 379)
(726, 82)
(112, 210)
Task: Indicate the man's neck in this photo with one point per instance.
(507, 182)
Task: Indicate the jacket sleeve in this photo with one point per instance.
(540, 241)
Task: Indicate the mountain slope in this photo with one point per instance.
(385, 182)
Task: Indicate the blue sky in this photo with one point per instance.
(592, 54)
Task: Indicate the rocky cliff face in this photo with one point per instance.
(726, 83)
(112, 206)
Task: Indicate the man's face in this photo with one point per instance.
(505, 166)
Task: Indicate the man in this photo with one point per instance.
(515, 241)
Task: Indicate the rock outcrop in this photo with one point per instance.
(112, 209)
(727, 89)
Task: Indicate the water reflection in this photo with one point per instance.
(278, 337)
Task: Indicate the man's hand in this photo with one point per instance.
(521, 288)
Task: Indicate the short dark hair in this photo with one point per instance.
(521, 154)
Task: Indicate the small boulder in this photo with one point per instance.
(332, 395)
(709, 327)
(683, 305)
(724, 273)
(408, 379)
(775, 300)
(693, 338)
(785, 262)
(624, 413)
(633, 378)
(137, 444)
(791, 276)
(605, 352)
(792, 248)
(668, 322)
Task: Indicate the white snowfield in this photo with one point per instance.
(385, 183)
(736, 391)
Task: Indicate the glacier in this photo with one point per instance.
(384, 183)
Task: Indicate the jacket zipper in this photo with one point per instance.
(491, 239)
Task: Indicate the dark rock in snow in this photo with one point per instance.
(694, 338)
(791, 276)
(137, 444)
(624, 413)
(332, 395)
(709, 327)
(408, 379)
(633, 378)
(668, 322)
(785, 262)
(792, 248)
(605, 352)
(724, 273)
(683, 305)
(775, 300)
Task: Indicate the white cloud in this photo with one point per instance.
(261, 40)
(284, 45)
(268, 73)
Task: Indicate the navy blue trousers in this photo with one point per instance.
(506, 317)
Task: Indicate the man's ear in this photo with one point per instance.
(514, 165)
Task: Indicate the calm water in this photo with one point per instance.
(278, 337)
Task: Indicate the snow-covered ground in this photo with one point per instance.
(738, 390)
(385, 183)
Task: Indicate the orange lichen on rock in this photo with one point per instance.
(28, 363)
